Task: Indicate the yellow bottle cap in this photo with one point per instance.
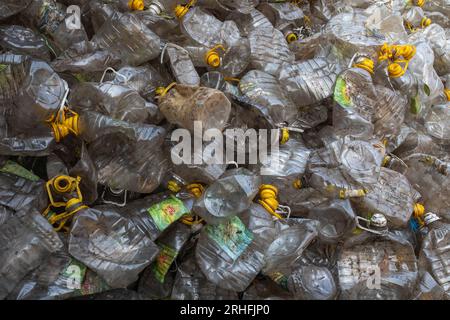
(137, 5)
(291, 37)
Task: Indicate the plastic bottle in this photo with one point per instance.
(345, 168)
(230, 255)
(249, 20)
(24, 41)
(265, 90)
(58, 277)
(114, 100)
(156, 281)
(434, 252)
(205, 29)
(191, 284)
(435, 188)
(183, 105)
(111, 244)
(49, 17)
(33, 88)
(10, 7)
(181, 65)
(378, 265)
(284, 16)
(356, 97)
(26, 240)
(85, 59)
(269, 61)
(228, 196)
(312, 283)
(336, 218)
(128, 38)
(308, 82)
(392, 195)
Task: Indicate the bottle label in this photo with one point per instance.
(340, 93)
(280, 279)
(163, 262)
(167, 212)
(18, 170)
(232, 236)
(73, 275)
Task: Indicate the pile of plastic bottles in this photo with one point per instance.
(93, 205)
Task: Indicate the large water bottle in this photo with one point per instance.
(377, 264)
(269, 50)
(435, 188)
(114, 100)
(344, 168)
(157, 279)
(191, 284)
(111, 244)
(434, 252)
(26, 239)
(227, 197)
(356, 97)
(127, 37)
(21, 40)
(249, 20)
(265, 90)
(183, 105)
(310, 81)
(181, 65)
(230, 254)
(392, 195)
(49, 16)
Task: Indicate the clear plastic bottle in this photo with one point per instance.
(123, 152)
(127, 37)
(33, 88)
(392, 195)
(269, 50)
(250, 20)
(183, 105)
(376, 266)
(345, 168)
(309, 81)
(85, 59)
(156, 281)
(24, 41)
(181, 65)
(49, 16)
(356, 97)
(111, 244)
(336, 218)
(114, 100)
(206, 30)
(437, 124)
(228, 196)
(21, 188)
(58, 277)
(191, 284)
(264, 89)
(230, 254)
(436, 187)
(11, 7)
(26, 239)
(309, 282)
(434, 254)
(284, 16)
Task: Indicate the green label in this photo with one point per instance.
(340, 93)
(16, 169)
(167, 212)
(163, 262)
(74, 275)
(280, 279)
(233, 237)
